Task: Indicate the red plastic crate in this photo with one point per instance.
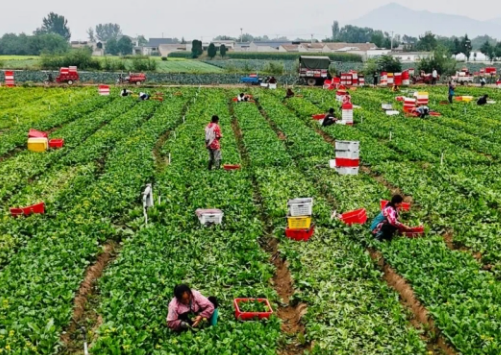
(231, 166)
(415, 232)
(300, 234)
(347, 163)
(318, 117)
(56, 143)
(33, 133)
(355, 217)
(38, 208)
(405, 206)
(251, 315)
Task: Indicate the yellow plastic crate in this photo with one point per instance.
(299, 222)
(467, 98)
(422, 93)
(38, 144)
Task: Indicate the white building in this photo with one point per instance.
(410, 57)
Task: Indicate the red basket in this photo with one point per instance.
(415, 232)
(251, 315)
(231, 166)
(300, 234)
(405, 205)
(355, 217)
(38, 208)
(33, 133)
(318, 117)
(347, 163)
(56, 143)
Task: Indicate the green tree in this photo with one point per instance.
(378, 39)
(47, 43)
(12, 44)
(124, 45)
(91, 35)
(196, 49)
(55, 23)
(497, 50)
(335, 30)
(479, 41)
(427, 43)
(457, 47)
(112, 47)
(223, 50)
(440, 60)
(107, 31)
(224, 38)
(212, 51)
(466, 47)
(387, 63)
(142, 41)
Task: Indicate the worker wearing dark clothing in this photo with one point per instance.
(273, 80)
(143, 96)
(290, 94)
(451, 91)
(483, 100)
(243, 98)
(125, 92)
(482, 82)
(423, 111)
(375, 77)
(329, 118)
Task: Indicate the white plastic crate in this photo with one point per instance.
(347, 171)
(332, 163)
(300, 207)
(387, 106)
(392, 113)
(339, 98)
(345, 154)
(353, 146)
(209, 216)
(347, 115)
(345, 122)
(320, 122)
(272, 86)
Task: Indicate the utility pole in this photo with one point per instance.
(241, 35)
(312, 38)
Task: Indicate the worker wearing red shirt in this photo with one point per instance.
(212, 137)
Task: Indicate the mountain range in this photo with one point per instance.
(402, 20)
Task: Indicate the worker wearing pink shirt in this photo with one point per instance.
(189, 308)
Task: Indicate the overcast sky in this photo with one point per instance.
(209, 18)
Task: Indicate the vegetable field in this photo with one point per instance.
(92, 262)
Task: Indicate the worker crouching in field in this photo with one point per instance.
(386, 224)
(144, 96)
(243, 98)
(212, 137)
(125, 93)
(329, 118)
(422, 111)
(483, 100)
(289, 94)
(189, 309)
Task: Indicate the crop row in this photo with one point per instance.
(50, 267)
(349, 309)
(451, 284)
(226, 262)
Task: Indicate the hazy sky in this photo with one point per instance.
(208, 18)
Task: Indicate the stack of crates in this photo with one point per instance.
(422, 98)
(299, 225)
(37, 141)
(347, 157)
(347, 114)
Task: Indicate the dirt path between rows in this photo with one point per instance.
(289, 314)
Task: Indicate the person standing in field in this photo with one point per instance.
(434, 76)
(451, 91)
(212, 137)
(375, 77)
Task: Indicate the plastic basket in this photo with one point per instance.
(345, 122)
(415, 232)
(319, 116)
(33, 133)
(300, 234)
(347, 170)
(56, 143)
(209, 216)
(351, 163)
(353, 146)
(272, 86)
(16, 212)
(392, 113)
(231, 167)
(38, 144)
(300, 207)
(299, 222)
(405, 206)
(345, 154)
(240, 315)
(355, 217)
(387, 106)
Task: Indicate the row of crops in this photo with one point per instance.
(114, 147)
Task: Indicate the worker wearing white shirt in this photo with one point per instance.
(434, 76)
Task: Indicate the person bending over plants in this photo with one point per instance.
(329, 118)
(212, 137)
(386, 224)
(189, 309)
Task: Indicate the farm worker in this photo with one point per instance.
(243, 98)
(125, 93)
(143, 96)
(212, 137)
(375, 78)
(395, 88)
(482, 82)
(385, 225)
(290, 94)
(189, 308)
(329, 118)
(347, 98)
(434, 76)
(451, 91)
(483, 100)
(273, 80)
(423, 111)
